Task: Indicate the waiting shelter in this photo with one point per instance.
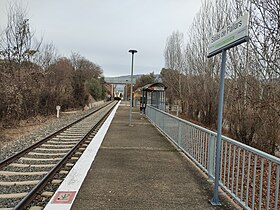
(154, 95)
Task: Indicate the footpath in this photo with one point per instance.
(138, 168)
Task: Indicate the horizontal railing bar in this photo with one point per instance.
(182, 149)
(232, 141)
(184, 121)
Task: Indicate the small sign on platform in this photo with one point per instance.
(64, 197)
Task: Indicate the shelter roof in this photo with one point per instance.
(158, 86)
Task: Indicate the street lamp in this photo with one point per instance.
(131, 77)
(125, 88)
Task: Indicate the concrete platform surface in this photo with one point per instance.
(138, 168)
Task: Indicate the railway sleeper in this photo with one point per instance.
(63, 172)
(39, 159)
(48, 149)
(65, 139)
(69, 164)
(58, 145)
(13, 195)
(35, 208)
(59, 142)
(47, 194)
(56, 181)
(17, 173)
(19, 183)
(20, 165)
(47, 154)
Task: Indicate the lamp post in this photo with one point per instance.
(125, 94)
(131, 78)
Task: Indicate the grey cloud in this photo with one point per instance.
(104, 30)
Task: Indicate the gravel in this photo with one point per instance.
(9, 203)
(16, 189)
(27, 169)
(12, 147)
(19, 178)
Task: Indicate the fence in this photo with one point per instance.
(249, 175)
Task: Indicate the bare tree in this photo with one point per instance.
(174, 51)
(34, 79)
(46, 56)
(175, 61)
(17, 44)
(252, 92)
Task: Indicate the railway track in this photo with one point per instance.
(29, 178)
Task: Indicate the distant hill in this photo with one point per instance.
(126, 79)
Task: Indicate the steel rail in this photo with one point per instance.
(35, 191)
(28, 149)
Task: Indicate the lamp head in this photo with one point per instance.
(132, 51)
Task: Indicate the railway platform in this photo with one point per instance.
(137, 168)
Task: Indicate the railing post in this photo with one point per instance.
(156, 116)
(152, 115)
(161, 121)
(179, 134)
(211, 157)
(146, 113)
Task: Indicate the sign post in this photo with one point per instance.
(232, 35)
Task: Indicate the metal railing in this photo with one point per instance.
(249, 175)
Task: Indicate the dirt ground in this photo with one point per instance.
(26, 127)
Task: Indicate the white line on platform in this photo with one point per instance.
(68, 190)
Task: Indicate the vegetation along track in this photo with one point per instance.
(29, 178)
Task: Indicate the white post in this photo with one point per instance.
(57, 111)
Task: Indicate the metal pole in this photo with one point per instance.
(215, 200)
(142, 102)
(131, 78)
(126, 90)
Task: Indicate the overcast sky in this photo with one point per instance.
(104, 30)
